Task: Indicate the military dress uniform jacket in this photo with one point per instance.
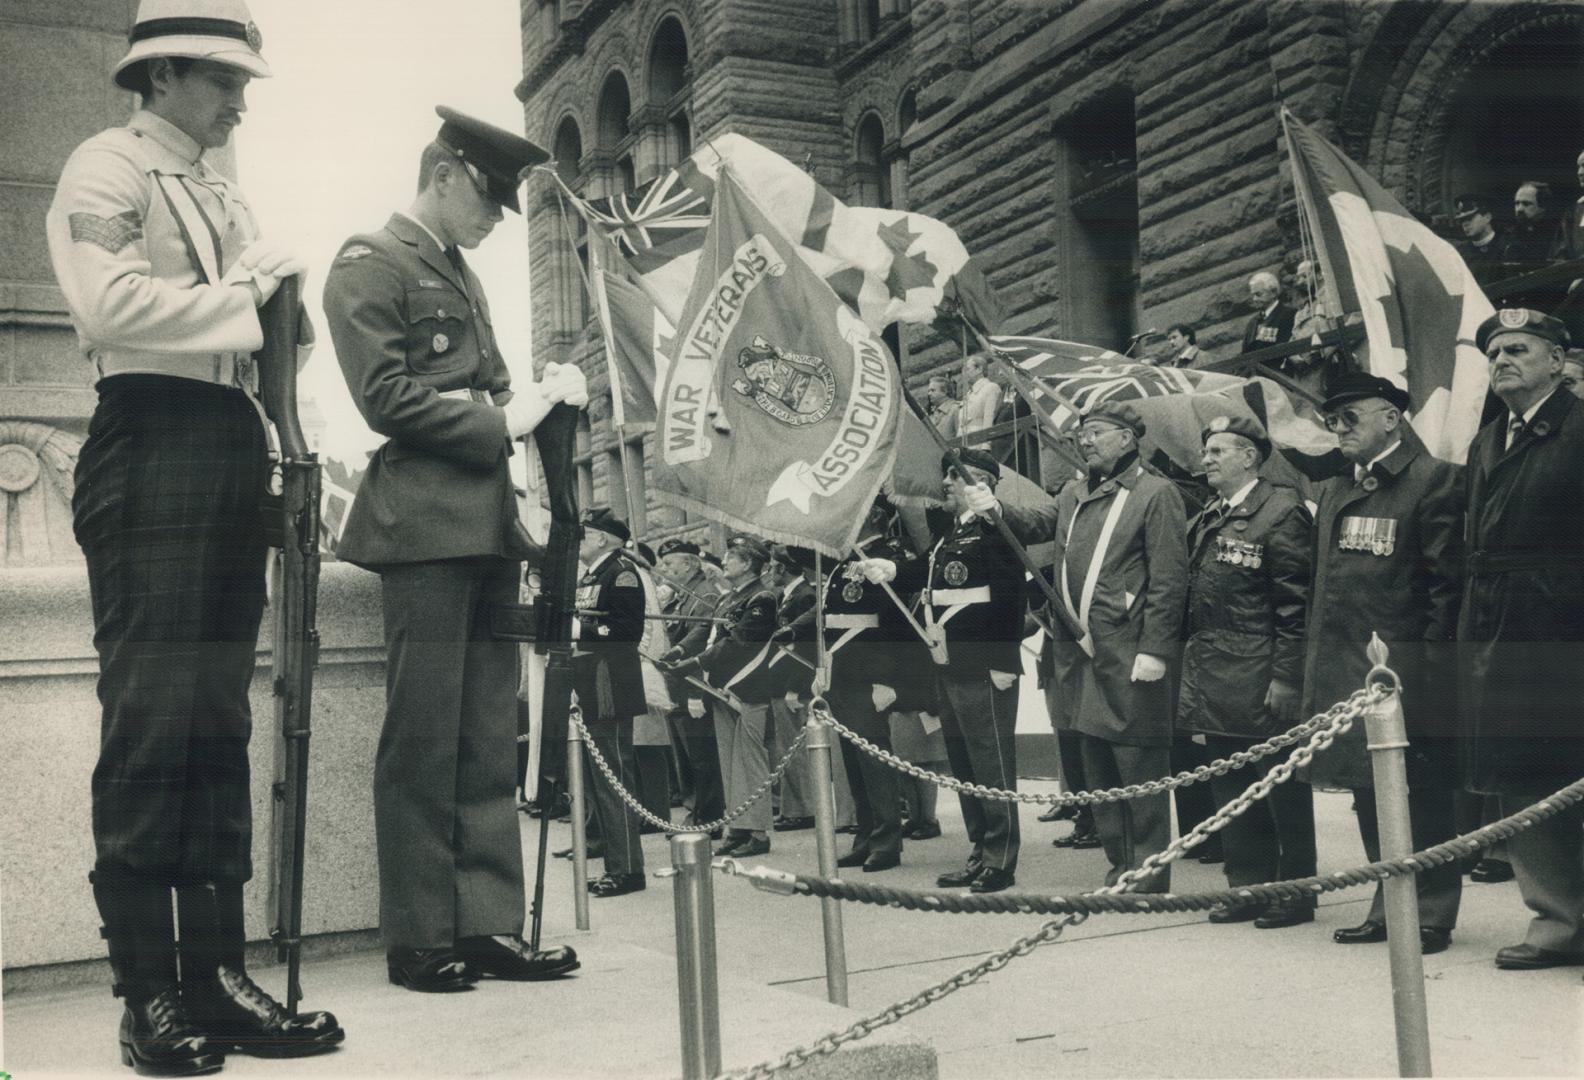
(413, 337)
(606, 670)
(738, 659)
(867, 639)
(1388, 560)
(1521, 629)
(1135, 602)
(971, 584)
(1248, 589)
(1265, 330)
(141, 231)
(796, 609)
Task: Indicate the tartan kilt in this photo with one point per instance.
(166, 509)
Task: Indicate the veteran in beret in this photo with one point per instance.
(694, 595)
(1122, 573)
(1248, 595)
(436, 518)
(1521, 629)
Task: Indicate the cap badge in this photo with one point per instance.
(1513, 318)
(255, 39)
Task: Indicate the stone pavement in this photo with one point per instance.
(1119, 996)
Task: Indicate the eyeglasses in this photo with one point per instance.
(1346, 419)
(1090, 434)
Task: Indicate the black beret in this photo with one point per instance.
(677, 546)
(1241, 426)
(605, 521)
(499, 156)
(1122, 414)
(974, 458)
(711, 558)
(750, 547)
(1357, 385)
(1523, 320)
(792, 555)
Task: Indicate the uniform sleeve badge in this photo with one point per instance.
(354, 252)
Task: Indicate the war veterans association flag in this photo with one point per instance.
(778, 411)
(1420, 303)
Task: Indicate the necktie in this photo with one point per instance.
(1515, 428)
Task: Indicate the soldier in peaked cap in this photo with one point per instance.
(435, 517)
(1522, 622)
(1121, 575)
(1388, 553)
(163, 270)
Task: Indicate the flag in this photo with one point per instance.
(778, 413)
(1419, 301)
(887, 265)
(1050, 356)
(637, 337)
(338, 484)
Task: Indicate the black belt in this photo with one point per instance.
(1509, 562)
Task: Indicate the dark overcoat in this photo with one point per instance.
(1521, 632)
(1248, 590)
(1388, 561)
(412, 335)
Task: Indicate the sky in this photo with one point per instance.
(329, 147)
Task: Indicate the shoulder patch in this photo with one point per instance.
(627, 579)
(354, 251)
(111, 233)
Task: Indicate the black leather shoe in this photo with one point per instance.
(1491, 871)
(507, 956)
(957, 879)
(750, 847)
(1434, 939)
(159, 1038)
(616, 885)
(236, 1014)
(1528, 957)
(594, 851)
(923, 830)
(851, 830)
(1078, 840)
(882, 860)
(1059, 813)
(992, 879)
(1210, 854)
(733, 842)
(853, 858)
(793, 824)
(1236, 913)
(431, 971)
(1365, 933)
(1286, 913)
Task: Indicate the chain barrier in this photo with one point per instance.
(576, 716)
(1219, 767)
(1341, 717)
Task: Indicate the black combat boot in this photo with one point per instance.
(157, 1036)
(231, 1009)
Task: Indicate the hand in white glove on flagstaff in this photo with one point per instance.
(564, 383)
(1002, 679)
(792, 700)
(527, 407)
(981, 500)
(695, 708)
(877, 571)
(1147, 668)
(883, 697)
(274, 260)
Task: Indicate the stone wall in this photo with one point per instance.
(49, 740)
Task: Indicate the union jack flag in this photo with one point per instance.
(661, 220)
(1050, 356)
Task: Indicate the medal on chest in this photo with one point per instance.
(955, 573)
(852, 592)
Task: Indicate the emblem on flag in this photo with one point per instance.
(793, 388)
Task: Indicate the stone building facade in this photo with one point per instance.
(1118, 164)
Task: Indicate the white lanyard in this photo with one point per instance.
(1092, 577)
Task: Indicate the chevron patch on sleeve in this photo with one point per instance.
(110, 233)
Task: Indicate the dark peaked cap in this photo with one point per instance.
(499, 156)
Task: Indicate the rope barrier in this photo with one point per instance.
(1342, 715)
(576, 716)
(788, 884)
(1219, 767)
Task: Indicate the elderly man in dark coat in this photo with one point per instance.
(1248, 589)
(1122, 573)
(1522, 625)
(1389, 561)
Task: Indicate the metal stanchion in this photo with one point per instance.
(698, 994)
(1388, 739)
(819, 751)
(574, 771)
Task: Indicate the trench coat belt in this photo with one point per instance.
(468, 395)
(1504, 562)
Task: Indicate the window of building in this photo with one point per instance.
(871, 175)
(568, 150)
(670, 92)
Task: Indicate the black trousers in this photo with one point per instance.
(1274, 839)
(979, 722)
(1134, 829)
(445, 817)
(166, 509)
(1196, 802)
(877, 795)
(694, 741)
(618, 824)
(1432, 817)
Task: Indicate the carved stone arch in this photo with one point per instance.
(648, 22)
(37, 463)
(572, 99)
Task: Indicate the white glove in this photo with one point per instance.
(523, 412)
(883, 697)
(981, 500)
(1147, 668)
(696, 708)
(564, 383)
(878, 571)
(272, 260)
(1003, 679)
(792, 700)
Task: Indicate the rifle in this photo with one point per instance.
(295, 531)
